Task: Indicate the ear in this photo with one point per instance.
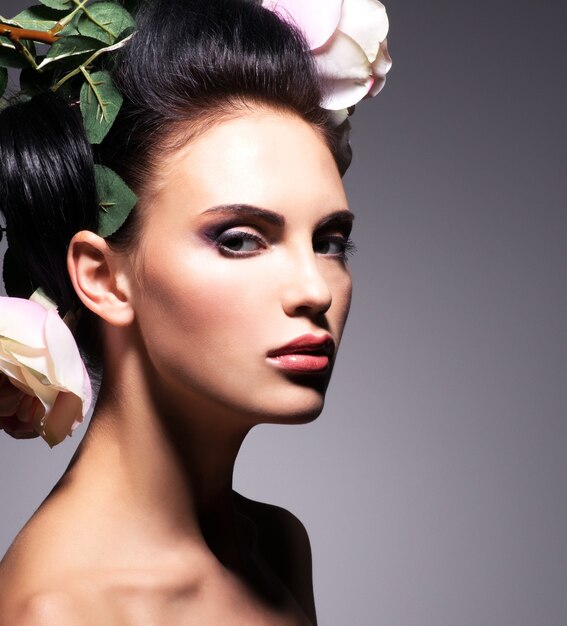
(99, 279)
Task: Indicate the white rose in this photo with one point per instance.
(44, 386)
(348, 41)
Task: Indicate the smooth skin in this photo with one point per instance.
(242, 250)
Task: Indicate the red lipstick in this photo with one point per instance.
(307, 353)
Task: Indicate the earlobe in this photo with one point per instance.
(98, 278)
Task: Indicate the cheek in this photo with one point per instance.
(195, 307)
(206, 323)
(203, 303)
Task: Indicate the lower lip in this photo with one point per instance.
(300, 362)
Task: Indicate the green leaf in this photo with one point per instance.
(71, 27)
(9, 56)
(105, 21)
(37, 18)
(8, 21)
(74, 49)
(100, 103)
(115, 198)
(3, 80)
(60, 5)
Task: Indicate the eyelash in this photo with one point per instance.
(347, 245)
(226, 236)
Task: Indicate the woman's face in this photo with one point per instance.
(242, 253)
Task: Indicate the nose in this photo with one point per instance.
(306, 291)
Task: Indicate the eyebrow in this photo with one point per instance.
(248, 210)
(344, 217)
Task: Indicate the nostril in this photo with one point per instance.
(306, 290)
(309, 303)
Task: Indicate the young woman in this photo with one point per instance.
(218, 305)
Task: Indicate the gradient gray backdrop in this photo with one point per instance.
(434, 484)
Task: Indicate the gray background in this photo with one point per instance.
(434, 484)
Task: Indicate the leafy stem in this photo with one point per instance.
(89, 61)
(80, 6)
(93, 85)
(16, 34)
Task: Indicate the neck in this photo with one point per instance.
(163, 468)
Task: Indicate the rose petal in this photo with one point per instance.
(15, 377)
(345, 92)
(342, 57)
(380, 68)
(345, 70)
(47, 394)
(317, 19)
(22, 321)
(33, 359)
(43, 381)
(366, 22)
(61, 420)
(87, 395)
(65, 360)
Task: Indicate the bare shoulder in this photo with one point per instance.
(30, 597)
(283, 542)
(48, 608)
(40, 586)
(75, 595)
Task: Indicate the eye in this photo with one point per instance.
(335, 246)
(239, 243)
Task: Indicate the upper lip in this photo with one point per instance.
(307, 344)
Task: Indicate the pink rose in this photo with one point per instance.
(44, 386)
(348, 41)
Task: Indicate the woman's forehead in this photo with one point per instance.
(264, 158)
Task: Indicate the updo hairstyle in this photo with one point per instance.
(189, 65)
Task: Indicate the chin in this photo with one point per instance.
(296, 408)
(302, 401)
(297, 401)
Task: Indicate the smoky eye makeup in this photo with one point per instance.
(237, 237)
(334, 246)
(244, 231)
(332, 236)
(241, 230)
(235, 242)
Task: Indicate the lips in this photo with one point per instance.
(307, 353)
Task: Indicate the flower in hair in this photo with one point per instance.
(348, 41)
(44, 386)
